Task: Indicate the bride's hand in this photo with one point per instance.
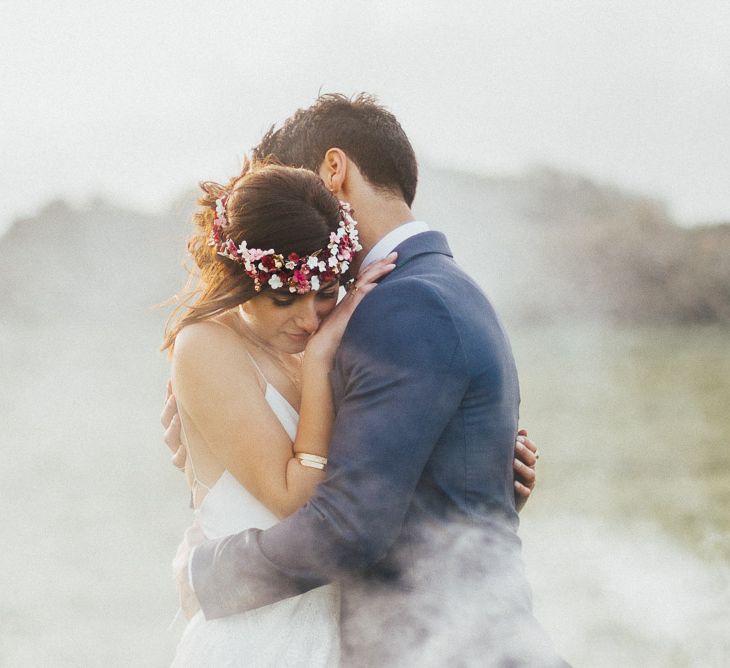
(324, 342)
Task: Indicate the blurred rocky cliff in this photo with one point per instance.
(555, 247)
(547, 246)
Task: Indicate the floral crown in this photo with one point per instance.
(300, 274)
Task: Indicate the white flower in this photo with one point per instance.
(344, 266)
(275, 282)
(322, 266)
(332, 261)
(314, 282)
(312, 261)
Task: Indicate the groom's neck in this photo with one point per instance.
(377, 215)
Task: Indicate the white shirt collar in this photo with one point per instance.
(393, 239)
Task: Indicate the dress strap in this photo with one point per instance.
(257, 367)
(250, 356)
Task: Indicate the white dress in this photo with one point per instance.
(300, 631)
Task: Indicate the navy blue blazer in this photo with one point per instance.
(421, 456)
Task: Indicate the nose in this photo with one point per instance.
(307, 317)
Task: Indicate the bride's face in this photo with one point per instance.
(285, 321)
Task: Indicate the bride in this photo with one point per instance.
(272, 248)
(251, 350)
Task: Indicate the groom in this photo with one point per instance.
(416, 517)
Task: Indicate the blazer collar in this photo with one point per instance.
(422, 244)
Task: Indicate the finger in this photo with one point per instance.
(521, 490)
(388, 259)
(168, 394)
(169, 411)
(522, 432)
(378, 265)
(180, 457)
(172, 434)
(527, 443)
(525, 455)
(377, 273)
(526, 475)
(377, 269)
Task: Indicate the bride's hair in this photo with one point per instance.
(269, 206)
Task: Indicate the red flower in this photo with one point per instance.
(268, 262)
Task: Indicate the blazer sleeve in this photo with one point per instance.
(404, 378)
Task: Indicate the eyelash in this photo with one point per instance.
(330, 294)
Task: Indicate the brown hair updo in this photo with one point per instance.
(270, 206)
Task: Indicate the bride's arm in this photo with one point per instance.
(224, 409)
(217, 390)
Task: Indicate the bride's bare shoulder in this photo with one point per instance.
(208, 358)
(208, 339)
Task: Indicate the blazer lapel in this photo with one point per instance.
(415, 246)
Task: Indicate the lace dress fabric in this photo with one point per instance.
(300, 631)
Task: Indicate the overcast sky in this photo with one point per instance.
(140, 100)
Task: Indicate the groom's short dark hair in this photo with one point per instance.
(366, 131)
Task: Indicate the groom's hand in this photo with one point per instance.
(180, 567)
(171, 422)
(524, 468)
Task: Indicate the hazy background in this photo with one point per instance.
(576, 155)
(137, 100)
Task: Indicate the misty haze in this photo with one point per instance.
(576, 157)
(624, 385)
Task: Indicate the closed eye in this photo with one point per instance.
(283, 301)
(330, 293)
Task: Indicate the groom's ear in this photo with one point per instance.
(333, 170)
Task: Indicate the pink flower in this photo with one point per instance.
(301, 275)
